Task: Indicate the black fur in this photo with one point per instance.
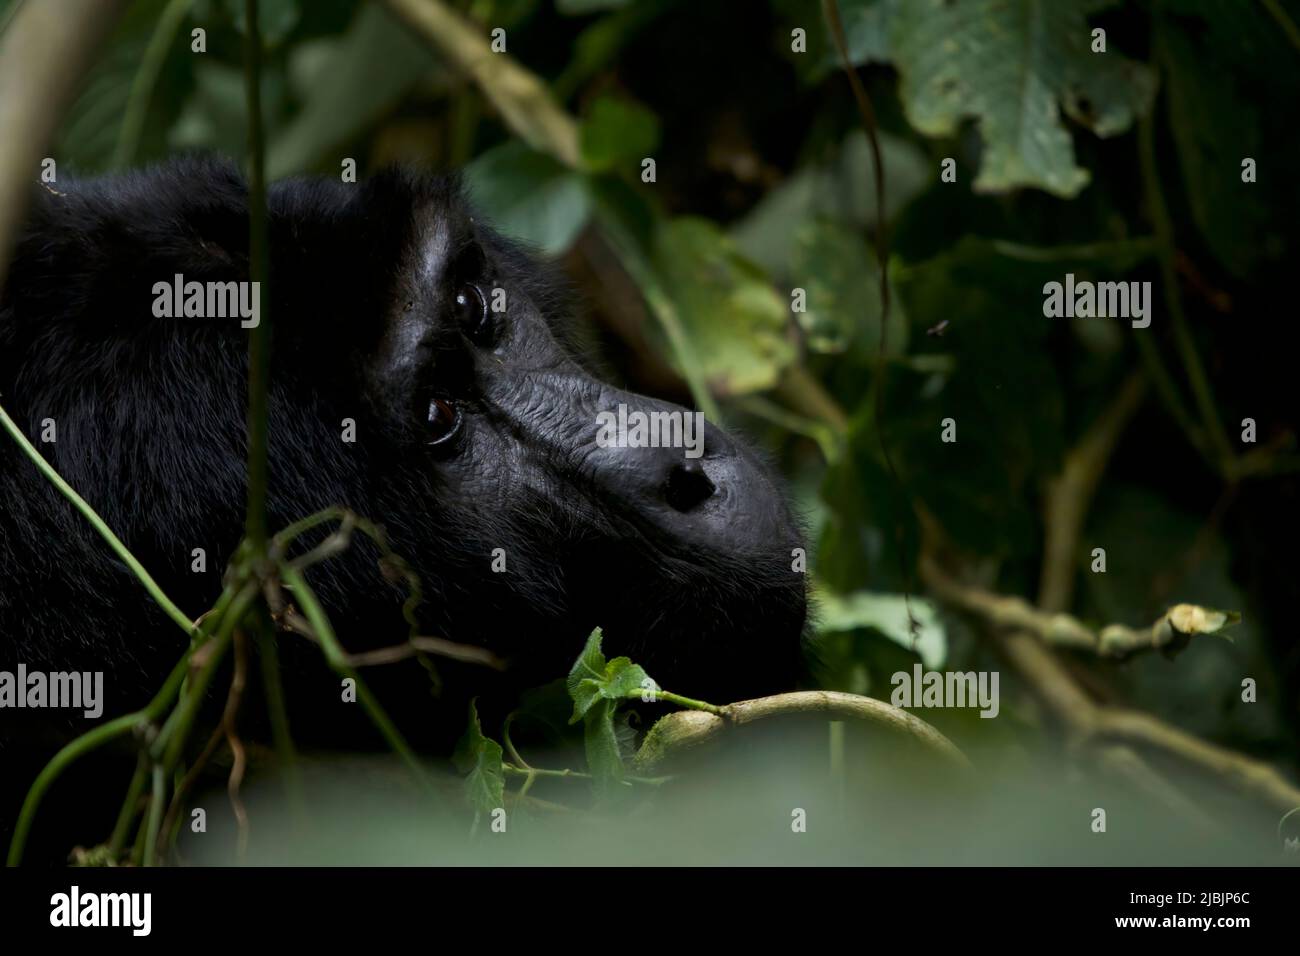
(150, 429)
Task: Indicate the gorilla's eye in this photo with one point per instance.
(472, 313)
(444, 421)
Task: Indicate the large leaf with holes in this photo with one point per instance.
(1014, 66)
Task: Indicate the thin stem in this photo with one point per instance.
(1275, 10)
(83, 745)
(837, 756)
(782, 417)
(129, 807)
(509, 744)
(540, 772)
(528, 785)
(338, 660)
(89, 513)
(259, 343)
(687, 702)
(1168, 392)
(60, 762)
(867, 112)
(208, 622)
(273, 687)
(1164, 229)
(810, 397)
(137, 848)
(146, 79)
(167, 745)
(285, 536)
(532, 773)
(155, 815)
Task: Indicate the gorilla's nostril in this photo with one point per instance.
(687, 486)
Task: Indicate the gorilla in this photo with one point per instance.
(425, 376)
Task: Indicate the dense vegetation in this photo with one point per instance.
(740, 272)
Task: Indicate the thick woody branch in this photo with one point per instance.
(689, 729)
(1250, 777)
(1112, 736)
(519, 95)
(45, 50)
(1170, 632)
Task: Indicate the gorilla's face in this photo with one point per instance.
(421, 378)
(573, 503)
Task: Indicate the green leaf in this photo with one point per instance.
(604, 754)
(886, 614)
(479, 757)
(837, 269)
(529, 196)
(1014, 66)
(617, 132)
(866, 34)
(336, 107)
(728, 308)
(593, 679)
(596, 687)
(622, 679)
(589, 665)
(629, 223)
(93, 125)
(214, 116)
(839, 187)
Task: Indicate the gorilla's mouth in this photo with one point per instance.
(703, 626)
(689, 566)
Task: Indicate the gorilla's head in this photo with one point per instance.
(540, 501)
(423, 378)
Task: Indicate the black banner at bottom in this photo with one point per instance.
(224, 906)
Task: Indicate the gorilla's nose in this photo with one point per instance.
(709, 492)
(687, 486)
